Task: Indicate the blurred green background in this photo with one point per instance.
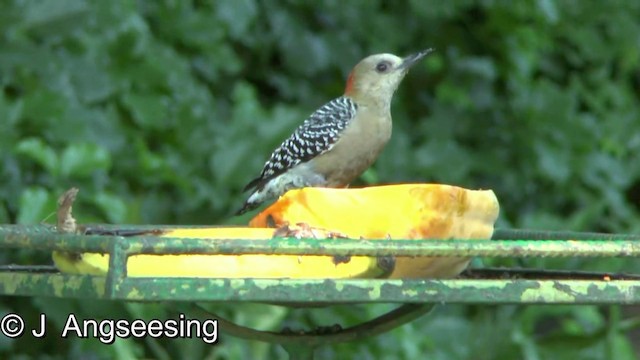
(161, 111)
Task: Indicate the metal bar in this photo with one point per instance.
(317, 292)
(374, 327)
(348, 247)
(341, 247)
(498, 234)
(45, 239)
(117, 267)
(530, 234)
(393, 291)
(52, 285)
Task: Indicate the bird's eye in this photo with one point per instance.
(383, 66)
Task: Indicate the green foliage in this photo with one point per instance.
(160, 112)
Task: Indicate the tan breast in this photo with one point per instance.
(357, 149)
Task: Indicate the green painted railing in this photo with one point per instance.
(497, 287)
(16, 280)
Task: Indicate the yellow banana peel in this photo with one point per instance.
(227, 266)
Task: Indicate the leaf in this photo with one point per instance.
(621, 348)
(41, 153)
(83, 160)
(112, 206)
(228, 11)
(36, 204)
(148, 111)
(11, 110)
(55, 16)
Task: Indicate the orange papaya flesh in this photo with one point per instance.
(405, 211)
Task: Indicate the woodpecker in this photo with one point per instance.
(341, 139)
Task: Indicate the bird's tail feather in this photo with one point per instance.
(248, 206)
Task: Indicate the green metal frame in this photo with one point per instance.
(418, 295)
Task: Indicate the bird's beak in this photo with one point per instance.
(413, 58)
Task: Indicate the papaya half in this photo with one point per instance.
(406, 211)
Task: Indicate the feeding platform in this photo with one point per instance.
(147, 263)
(415, 297)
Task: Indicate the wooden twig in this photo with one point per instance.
(66, 223)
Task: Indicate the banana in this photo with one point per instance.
(230, 266)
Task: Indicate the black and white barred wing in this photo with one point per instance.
(315, 136)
